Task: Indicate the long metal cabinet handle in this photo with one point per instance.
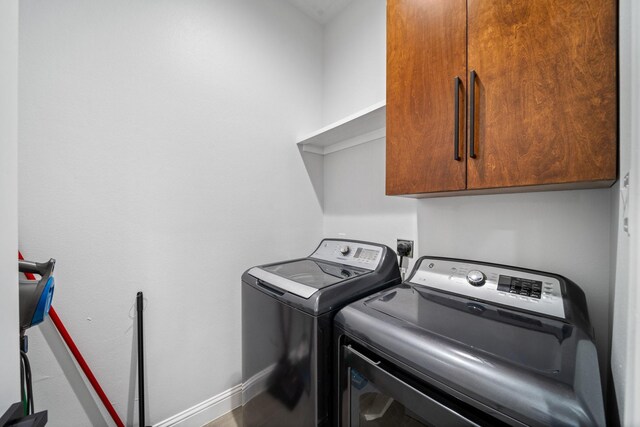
(456, 118)
(472, 114)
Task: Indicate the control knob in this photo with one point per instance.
(476, 278)
(344, 249)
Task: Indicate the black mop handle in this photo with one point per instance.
(139, 301)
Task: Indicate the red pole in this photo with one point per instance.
(79, 358)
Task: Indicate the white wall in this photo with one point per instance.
(564, 232)
(625, 345)
(157, 153)
(156, 134)
(355, 205)
(561, 232)
(354, 78)
(9, 345)
(354, 59)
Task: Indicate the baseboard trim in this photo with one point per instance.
(216, 406)
(207, 411)
(257, 384)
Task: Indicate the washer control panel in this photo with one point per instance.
(501, 285)
(350, 253)
(476, 278)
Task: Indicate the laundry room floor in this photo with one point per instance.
(232, 419)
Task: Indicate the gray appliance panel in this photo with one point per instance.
(491, 355)
(318, 289)
(372, 380)
(287, 333)
(451, 276)
(359, 254)
(283, 283)
(531, 343)
(303, 277)
(279, 364)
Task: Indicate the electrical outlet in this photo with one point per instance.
(400, 248)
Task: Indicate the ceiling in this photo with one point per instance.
(321, 11)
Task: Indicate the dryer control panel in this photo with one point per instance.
(354, 254)
(524, 290)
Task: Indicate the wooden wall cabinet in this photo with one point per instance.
(498, 95)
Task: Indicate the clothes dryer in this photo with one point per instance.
(465, 343)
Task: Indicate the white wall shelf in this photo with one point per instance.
(364, 126)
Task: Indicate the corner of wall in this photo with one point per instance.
(9, 356)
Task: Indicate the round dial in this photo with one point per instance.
(476, 278)
(344, 249)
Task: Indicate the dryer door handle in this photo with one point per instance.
(356, 353)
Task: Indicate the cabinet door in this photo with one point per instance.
(426, 49)
(545, 94)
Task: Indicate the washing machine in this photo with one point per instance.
(287, 320)
(466, 343)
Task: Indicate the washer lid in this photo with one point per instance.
(304, 277)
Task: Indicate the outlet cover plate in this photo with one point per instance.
(410, 242)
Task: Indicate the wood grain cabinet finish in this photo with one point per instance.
(544, 96)
(426, 49)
